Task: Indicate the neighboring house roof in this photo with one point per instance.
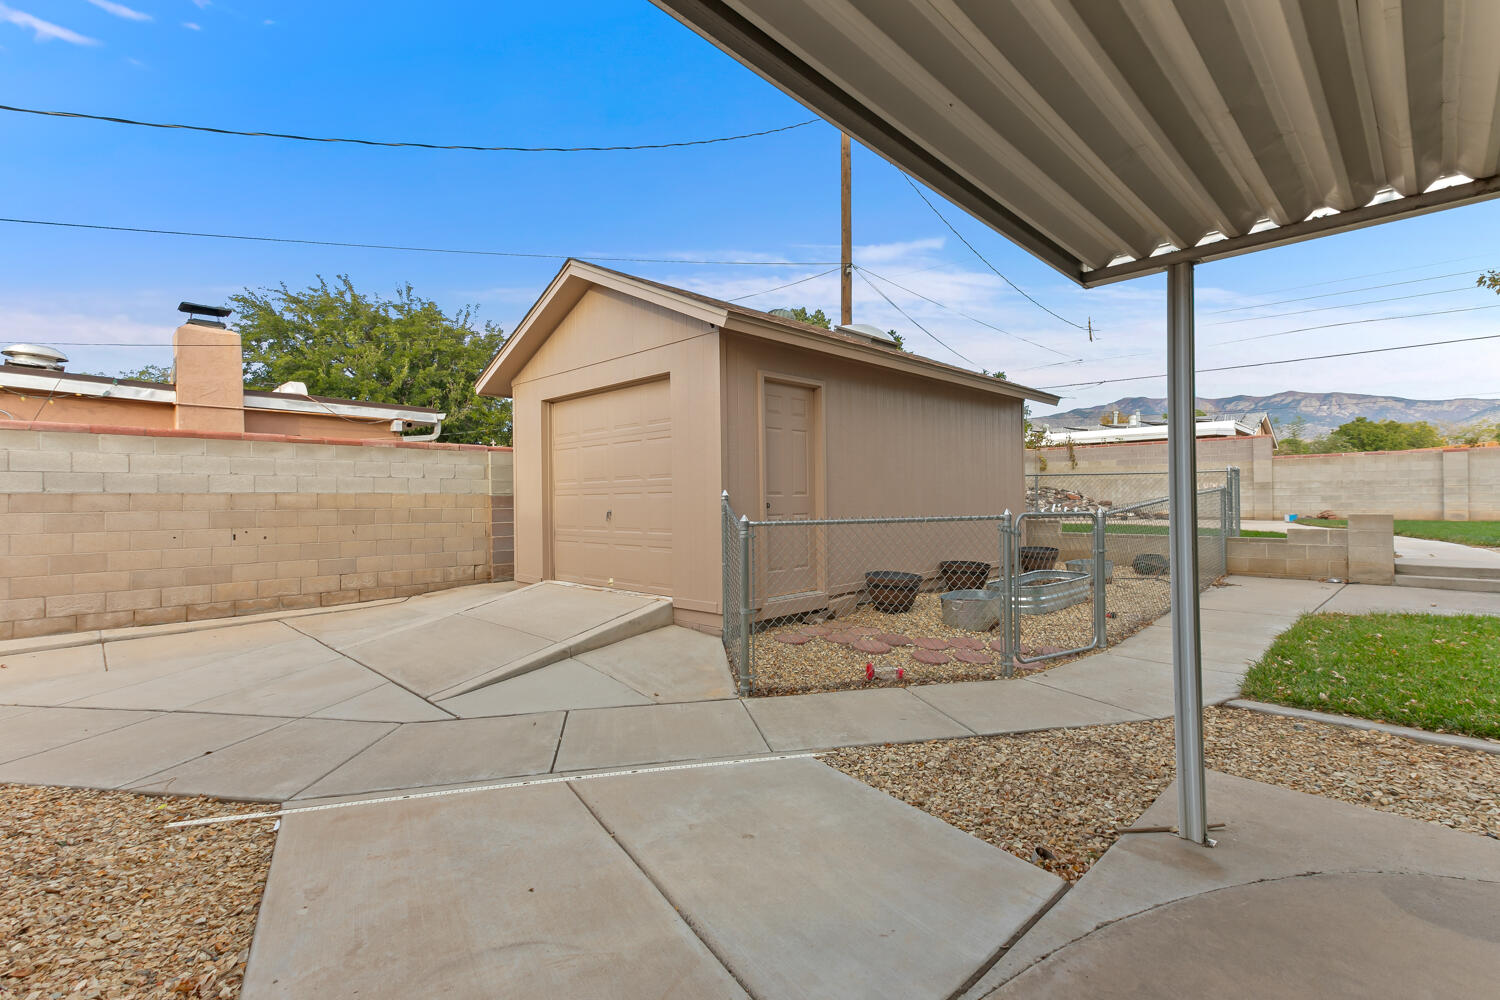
(1207, 427)
(42, 380)
(576, 277)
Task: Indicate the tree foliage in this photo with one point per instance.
(814, 318)
(150, 373)
(403, 349)
(1362, 434)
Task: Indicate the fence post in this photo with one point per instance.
(744, 605)
(1101, 634)
(1007, 608)
(1232, 480)
(1226, 509)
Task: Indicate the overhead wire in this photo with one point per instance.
(1343, 305)
(913, 322)
(789, 284)
(111, 119)
(1352, 322)
(1375, 274)
(1347, 291)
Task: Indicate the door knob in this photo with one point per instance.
(608, 514)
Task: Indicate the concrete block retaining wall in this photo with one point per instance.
(1362, 553)
(110, 527)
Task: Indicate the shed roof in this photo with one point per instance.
(576, 277)
(1111, 139)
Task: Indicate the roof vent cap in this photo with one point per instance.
(864, 331)
(295, 388)
(35, 356)
(201, 315)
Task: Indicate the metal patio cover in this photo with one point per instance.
(1112, 138)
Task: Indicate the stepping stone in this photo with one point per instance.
(930, 642)
(966, 642)
(816, 630)
(892, 638)
(972, 656)
(998, 645)
(793, 638)
(869, 645)
(861, 630)
(932, 656)
(842, 638)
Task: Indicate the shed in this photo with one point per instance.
(637, 404)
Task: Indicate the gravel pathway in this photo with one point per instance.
(1056, 798)
(99, 899)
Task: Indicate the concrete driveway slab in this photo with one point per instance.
(668, 664)
(565, 685)
(42, 729)
(216, 677)
(442, 753)
(1261, 594)
(125, 755)
(53, 676)
(810, 884)
(1138, 686)
(844, 718)
(437, 655)
(556, 611)
(652, 734)
(386, 703)
(158, 655)
(342, 629)
(300, 693)
(511, 894)
(1358, 599)
(1018, 706)
(271, 767)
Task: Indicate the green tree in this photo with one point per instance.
(816, 318)
(403, 349)
(1363, 434)
(899, 340)
(1291, 439)
(150, 373)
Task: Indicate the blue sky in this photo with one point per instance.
(618, 72)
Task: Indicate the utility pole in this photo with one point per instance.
(846, 272)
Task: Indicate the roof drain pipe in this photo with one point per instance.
(400, 425)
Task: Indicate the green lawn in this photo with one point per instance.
(1128, 528)
(1462, 532)
(1436, 672)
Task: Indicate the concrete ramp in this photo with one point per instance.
(443, 649)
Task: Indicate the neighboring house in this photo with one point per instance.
(207, 394)
(637, 404)
(1134, 428)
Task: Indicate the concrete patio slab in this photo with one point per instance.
(216, 677)
(558, 611)
(845, 718)
(516, 894)
(808, 883)
(1428, 550)
(300, 693)
(1348, 935)
(1139, 686)
(1018, 706)
(1358, 599)
(653, 734)
(441, 753)
(121, 756)
(1271, 833)
(437, 655)
(156, 656)
(567, 684)
(386, 703)
(37, 730)
(1262, 594)
(342, 629)
(668, 664)
(53, 676)
(271, 767)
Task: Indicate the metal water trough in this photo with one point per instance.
(1043, 591)
(974, 610)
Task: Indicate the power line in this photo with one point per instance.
(1347, 291)
(410, 249)
(1353, 322)
(958, 312)
(409, 145)
(1370, 274)
(1343, 305)
(983, 260)
(789, 284)
(913, 322)
(1284, 361)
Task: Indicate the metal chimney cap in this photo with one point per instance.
(203, 310)
(35, 356)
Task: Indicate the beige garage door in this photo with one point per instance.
(612, 489)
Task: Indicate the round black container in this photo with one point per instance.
(964, 574)
(1034, 557)
(891, 592)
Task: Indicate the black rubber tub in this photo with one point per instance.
(964, 574)
(891, 592)
(1034, 557)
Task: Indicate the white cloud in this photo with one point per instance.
(120, 10)
(44, 31)
(189, 25)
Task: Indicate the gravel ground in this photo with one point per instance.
(99, 899)
(822, 665)
(1056, 798)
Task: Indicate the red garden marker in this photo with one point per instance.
(900, 673)
(869, 671)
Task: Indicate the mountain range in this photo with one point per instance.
(1323, 411)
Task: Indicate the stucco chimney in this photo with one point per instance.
(210, 374)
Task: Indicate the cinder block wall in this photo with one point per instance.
(126, 526)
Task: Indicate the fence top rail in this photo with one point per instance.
(1132, 472)
(827, 521)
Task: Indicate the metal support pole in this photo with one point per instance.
(744, 606)
(1007, 609)
(1182, 491)
(1101, 633)
(1234, 501)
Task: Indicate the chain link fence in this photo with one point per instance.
(830, 604)
(1124, 493)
